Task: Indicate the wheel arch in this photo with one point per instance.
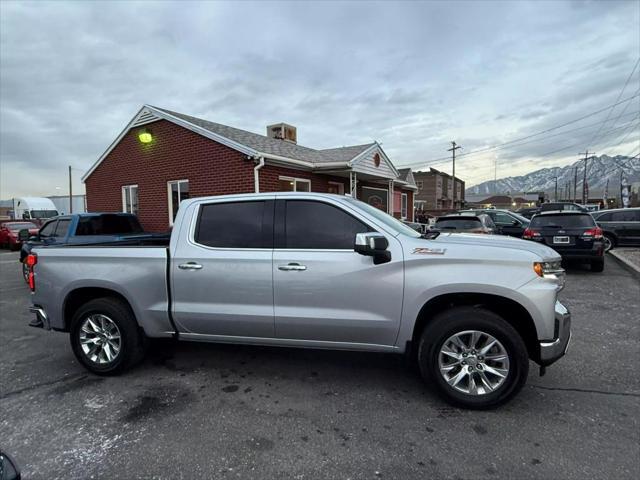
(510, 310)
(80, 296)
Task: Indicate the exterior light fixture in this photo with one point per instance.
(145, 136)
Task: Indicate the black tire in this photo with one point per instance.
(460, 319)
(133, 342)
(609, 242)
(597, 265)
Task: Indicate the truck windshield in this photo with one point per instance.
(44, 213)
(385, 218)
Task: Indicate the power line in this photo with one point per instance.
(619, 95)
(493, 147)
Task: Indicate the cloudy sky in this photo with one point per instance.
(413, 76)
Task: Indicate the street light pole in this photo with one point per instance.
(70, 192)
(453, 149)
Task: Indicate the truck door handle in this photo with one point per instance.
(190, 266)
(292, 267)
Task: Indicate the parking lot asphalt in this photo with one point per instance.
(221, 411)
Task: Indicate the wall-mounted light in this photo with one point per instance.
(145, 136)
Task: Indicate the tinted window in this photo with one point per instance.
(310, 224)
(624, 216)
(234, 225)
(108, 224)
(48, 229)
(460, 223)
(605, 217)
(63, 227)
(562, 221)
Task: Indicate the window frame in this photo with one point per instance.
(340, 186)
(295, 181)
(124, 188)
(60, 220)
(404, 205)
(170, 197)
(280, 223)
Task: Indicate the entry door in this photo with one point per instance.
(222, 277)
(323, 290)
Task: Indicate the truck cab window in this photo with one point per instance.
(318, 225)
(48, 229)
(234, 225)
(63, 227)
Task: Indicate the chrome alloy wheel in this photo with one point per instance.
(608, 244)
(473, 362)
(100, 339)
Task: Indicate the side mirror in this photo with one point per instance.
(23, 235)
(373, 245)
(34, 238)
(515, 223)
(8, 468)
(26, 216)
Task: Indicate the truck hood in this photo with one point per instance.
(499, 241)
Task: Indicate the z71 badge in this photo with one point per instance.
(429, 251)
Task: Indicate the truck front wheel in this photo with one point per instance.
(476, 358)
(105, 336)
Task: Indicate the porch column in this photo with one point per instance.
(390, 202)
(353, 184)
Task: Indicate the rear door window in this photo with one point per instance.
(236, 225)
(562, 221)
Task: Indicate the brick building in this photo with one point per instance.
(163, 157)
(435, 191)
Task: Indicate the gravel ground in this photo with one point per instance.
(220, 411)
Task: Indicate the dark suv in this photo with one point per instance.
(574, 235)
(507, 222)
(621, 227)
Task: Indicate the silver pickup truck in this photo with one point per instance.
(317, 271)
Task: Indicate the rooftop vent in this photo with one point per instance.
(282, 131)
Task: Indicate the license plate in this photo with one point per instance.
(560, 239)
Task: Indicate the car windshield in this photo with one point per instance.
(44, 213)
(385, 218)
(19, 226)
(458, 223)
(562, 221)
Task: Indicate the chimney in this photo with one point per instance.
(282, 131)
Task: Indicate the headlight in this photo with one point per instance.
(551, 271)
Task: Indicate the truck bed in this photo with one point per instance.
(135, 269)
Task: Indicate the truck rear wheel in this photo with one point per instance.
(105, 336)
(476, 359)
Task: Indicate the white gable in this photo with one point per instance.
(373, 161)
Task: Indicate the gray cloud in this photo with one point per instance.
(412, 76)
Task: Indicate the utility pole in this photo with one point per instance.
(495, 176)
(453, 149)
(70, 192)
(575, 182)
(584, 176)
(555, 197)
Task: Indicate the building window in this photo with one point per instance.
(178, 190)
(130, 199)
(420, 185)
(290, 184)
(336, 187)
(403, 209)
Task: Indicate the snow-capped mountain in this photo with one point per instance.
(598, 171)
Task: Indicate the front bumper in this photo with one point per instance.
(550, 351)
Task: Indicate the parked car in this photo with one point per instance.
(465, 222)
(528, 212)
(303, 269)
(506, 221)
(9, 233)
(621, 227)
(574, 235)
(418, 227)
(83, 229)
(562, 207)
